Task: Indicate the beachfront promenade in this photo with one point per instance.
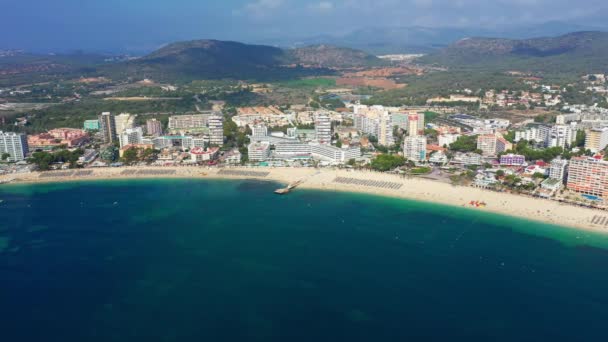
(356, 181)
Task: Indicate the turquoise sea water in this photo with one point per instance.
(191, 260)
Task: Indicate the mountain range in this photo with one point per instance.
(579, 52)
(573, 53)
(420, 39)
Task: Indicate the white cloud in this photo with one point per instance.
(260, 9)
(323, 7)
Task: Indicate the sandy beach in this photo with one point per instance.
(357, 181)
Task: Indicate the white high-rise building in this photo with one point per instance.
(596, 139)
(487, 144)
(558, 169)
(386, 136)
(123, 122)
(414, 148)
(259, 131)
(447, 139)
(323, 128)
(538, 133)
(259, 151)
(415, 124)
(131, 136)
(15, 145)
(216, 130)
(561, 136)
(335, 154)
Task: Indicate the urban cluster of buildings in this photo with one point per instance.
(300, 146)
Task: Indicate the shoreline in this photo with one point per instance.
(368, 182)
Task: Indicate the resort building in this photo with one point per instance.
(588, 176)
(414, 148)
(188, 121)
(561, 136)
(233, 157)
(512, 160)
(335, 154)
(558, 169)
(68, 137)
(259, 151)
(15, 145)
(415, 124)
(596, 139)
(91, 125)
(216, 130)
(258, 131)
(199, 154)
(154, 128)
(173, 141)
(447, 139)
(534, 132)
(323, 128)
(107, 126)
(292, 149)
(131, 136)
(502, 145)
(123, 122)
(487, 144)
(467, 159)
(438, 158)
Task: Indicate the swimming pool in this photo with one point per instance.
(593, 198)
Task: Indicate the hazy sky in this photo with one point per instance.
(145, 24)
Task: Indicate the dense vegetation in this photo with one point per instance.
(44, 160)
(465, 143)
(387, 162)
(571, 54)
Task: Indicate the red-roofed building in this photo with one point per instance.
(199, 154)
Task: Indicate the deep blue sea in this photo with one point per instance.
(193, 260)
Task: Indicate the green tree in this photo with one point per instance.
(465, 144)
(130, 156)
(5, 156)
(386, 162)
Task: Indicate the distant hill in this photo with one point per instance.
(579, 52)
(420, 39)
(327, 56)
(213, 59)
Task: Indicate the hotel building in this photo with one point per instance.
(323, 128)
(131, 136)
(154, 128)
(558, 169)
(107, 126)
(414, 148)
(512, 160)
(588, 176)
(259, 151)
(596, 139)
(487, 144)
(335, 154)
(216, 130)
(15, 144)
(123, 122)
(91, 125)
(188, 121)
